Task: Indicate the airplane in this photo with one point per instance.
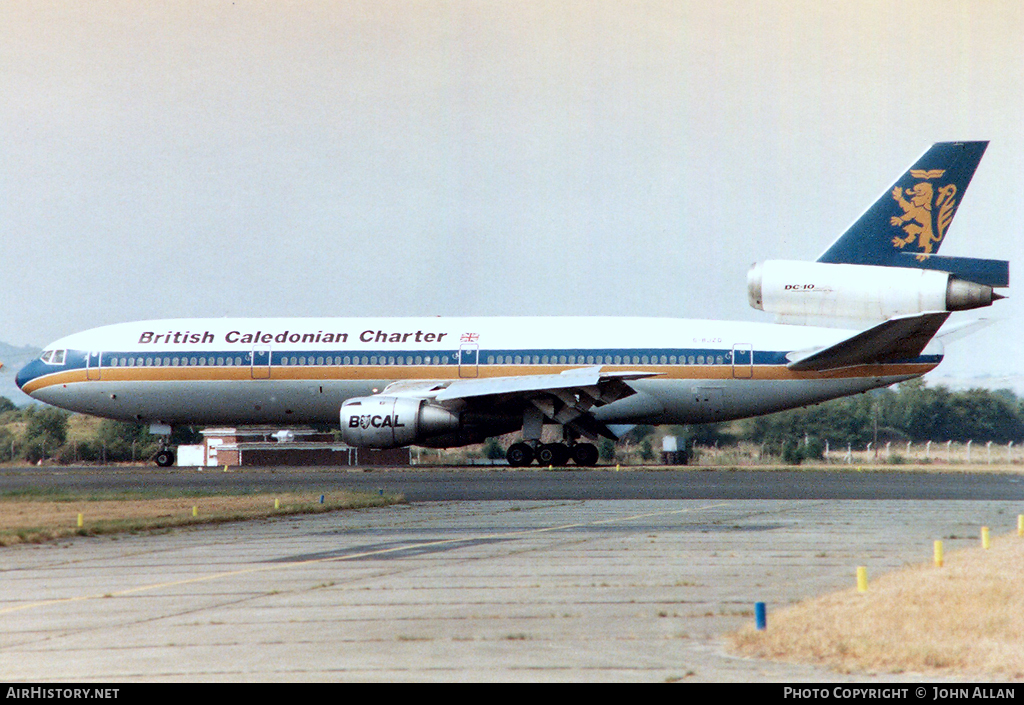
(866, 314)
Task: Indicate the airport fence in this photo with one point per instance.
(882, 453)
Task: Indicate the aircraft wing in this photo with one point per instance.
(565, 398)
(900, 338)
(582, 379)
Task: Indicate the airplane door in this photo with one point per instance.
(260, 357)
(469, 360)
(742, 361)
(92, 365)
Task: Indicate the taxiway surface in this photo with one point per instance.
(492, 590)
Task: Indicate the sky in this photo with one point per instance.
(480, 157)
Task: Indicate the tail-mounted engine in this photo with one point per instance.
(815, 289)
(392, 422)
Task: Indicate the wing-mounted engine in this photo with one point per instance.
(855, 291)
(392, 422)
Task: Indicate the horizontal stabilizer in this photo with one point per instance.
(963, 329)
(894, 340)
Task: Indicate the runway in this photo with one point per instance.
(560, 589)
(451, 484)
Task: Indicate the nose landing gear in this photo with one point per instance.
(165, 457)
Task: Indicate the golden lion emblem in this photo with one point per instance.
(919, 202)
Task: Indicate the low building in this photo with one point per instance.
(260, 446)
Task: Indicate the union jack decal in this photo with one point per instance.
(470, 337)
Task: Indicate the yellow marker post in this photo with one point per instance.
(985, 542)
(81, 520)
(1020, 524)
(277, 503)
(195, 510)
(938, 554)
(862, 579)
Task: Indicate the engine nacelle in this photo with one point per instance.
(392, 422)
(815, 289)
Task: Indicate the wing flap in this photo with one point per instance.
(900, 338)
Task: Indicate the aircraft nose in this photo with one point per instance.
(23, 376)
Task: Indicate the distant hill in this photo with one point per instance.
(14, 359)
(1014, 383)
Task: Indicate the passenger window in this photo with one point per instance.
(719, 360)
(220, 361)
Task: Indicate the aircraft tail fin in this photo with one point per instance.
(906, 226)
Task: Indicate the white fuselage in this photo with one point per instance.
(293, 371)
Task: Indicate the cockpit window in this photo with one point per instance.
(53, 357)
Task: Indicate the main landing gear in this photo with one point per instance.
(552, 454)
(549, 454)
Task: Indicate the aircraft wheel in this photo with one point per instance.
(165, 458)
(554, 454)
(519, 454)
(585, 454)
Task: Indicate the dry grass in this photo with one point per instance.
(964, 618)
(36, 519)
